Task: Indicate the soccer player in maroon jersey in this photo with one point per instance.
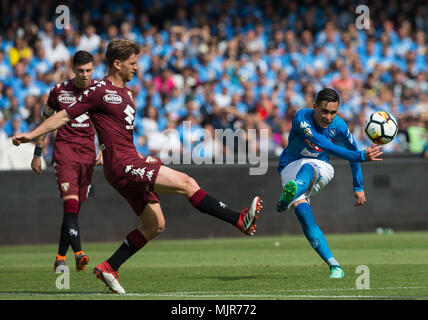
(73, 156)
(139, 180)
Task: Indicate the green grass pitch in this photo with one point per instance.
(268, 268)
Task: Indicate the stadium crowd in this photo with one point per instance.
(225, 64)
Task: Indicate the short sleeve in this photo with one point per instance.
(87, 101)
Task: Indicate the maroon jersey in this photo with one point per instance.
(112, 112)
(75, 141)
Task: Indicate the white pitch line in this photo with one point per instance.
(347, 289)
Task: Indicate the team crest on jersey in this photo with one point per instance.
(65, 186)
(66, 98)
(112, 98)
(332, 132)
(130, 95)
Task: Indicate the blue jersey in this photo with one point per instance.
(308, 140)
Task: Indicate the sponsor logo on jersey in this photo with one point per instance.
(350, 137)
(306, 153)
(112, 98)
(304, 125)
(139, 172)
(149, 174)
(80, 119)
(313, 146)
(73, 232)
(66, 98)
(129, 111)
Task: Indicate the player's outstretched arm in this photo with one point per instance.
(36, 162)
(58, 120)
(373, 152)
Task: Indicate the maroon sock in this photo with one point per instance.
(71, 205)
(134, 241)
(202, 201)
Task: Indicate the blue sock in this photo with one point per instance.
(304, 178)
(314, 234)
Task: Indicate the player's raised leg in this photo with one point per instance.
(172, 181)
(316, 237)
(153, 224)
(295, 188)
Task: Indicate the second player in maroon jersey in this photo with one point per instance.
(73, 156)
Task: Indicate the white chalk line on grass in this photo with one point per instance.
(239, 294)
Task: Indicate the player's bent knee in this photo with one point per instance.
(193, 185)
(151, 232)
(189, 185)
(159, 229)
(295, 204)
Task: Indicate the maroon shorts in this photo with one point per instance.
(135, 181)
(73, 178)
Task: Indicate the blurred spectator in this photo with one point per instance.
(3, 135)
(19, 51)
(57, 52)
(418, 138)
(90, 40)
(227, 64)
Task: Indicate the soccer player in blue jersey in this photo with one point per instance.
(304, 166)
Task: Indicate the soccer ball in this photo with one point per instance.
(381, 127)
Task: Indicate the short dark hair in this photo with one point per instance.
(120, 49)
(82, 57)
(327, 94)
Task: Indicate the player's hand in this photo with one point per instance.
(21, 138)
(361, 198)
(373, 152)
(99, 159)
(36, 164)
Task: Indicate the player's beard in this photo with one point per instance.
(127, 76)
(85, 82)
